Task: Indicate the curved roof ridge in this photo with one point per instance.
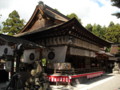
(47, 10)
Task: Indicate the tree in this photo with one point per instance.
(13, 24)
(104, 31)
(113, 33)
(0, 29)
(73, 15)
(56, 10)
(0, 26)
(98, 31)
(111, 24)
(117, 4)
(89, 27)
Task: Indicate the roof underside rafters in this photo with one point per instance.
(82, 33)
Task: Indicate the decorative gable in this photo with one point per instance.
(43, 17)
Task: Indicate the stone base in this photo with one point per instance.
(116, 72)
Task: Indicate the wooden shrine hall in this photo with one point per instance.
(66, 41)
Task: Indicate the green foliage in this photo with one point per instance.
(110, 33)
(0, 30)
(0, 26)
(89, 27)
(107, 49)
(13, 24)
(56, 9)
(113, 33)
(111, 24)
(117, 4)
(73, 15)
(99, 30)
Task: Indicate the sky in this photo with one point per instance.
(89, 11)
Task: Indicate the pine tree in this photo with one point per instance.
(13, 24)
(0, 26)
(117, 4)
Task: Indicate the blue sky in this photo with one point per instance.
(90, 11)
(99, 3)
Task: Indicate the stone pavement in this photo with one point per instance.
(2, 86)
(106, 82)
(111, 84)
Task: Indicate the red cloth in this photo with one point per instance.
(69, 78)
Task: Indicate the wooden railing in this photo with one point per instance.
(73, 71)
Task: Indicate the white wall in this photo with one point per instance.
(60, 53)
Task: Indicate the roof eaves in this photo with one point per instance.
(17, 40)
(85, 30)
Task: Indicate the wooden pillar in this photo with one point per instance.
(12, 67)
(17, 62)
(87, 63)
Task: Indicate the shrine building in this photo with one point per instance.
(65, 40)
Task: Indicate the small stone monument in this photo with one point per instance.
(116, 69)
